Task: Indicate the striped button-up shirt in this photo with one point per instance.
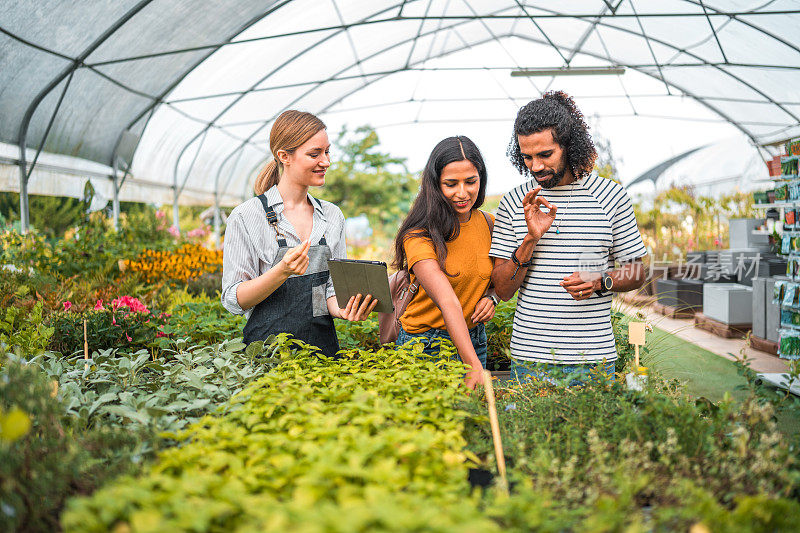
(251, 246)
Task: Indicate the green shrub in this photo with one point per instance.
(362, 335)
(498, 335)
(106, 328)
(606, 454)
(205, 322)
(42, 468)
(115, 388)
(625, 350)
(25, 331)
(366, 443)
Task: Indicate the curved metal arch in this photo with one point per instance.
(537, 41)
(685, 91)
(746, 23)
(371, 56)
(704, 62)
(317, 85)
(160, 98)
(659, 41)
(22, 136)
(257, 83)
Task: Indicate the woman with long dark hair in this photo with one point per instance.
(277, 245)
(444, 245)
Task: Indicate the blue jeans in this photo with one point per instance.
(552, 373)
(432, 339)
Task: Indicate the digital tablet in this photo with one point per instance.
(352, 277)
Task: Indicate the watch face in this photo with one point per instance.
(608, 283)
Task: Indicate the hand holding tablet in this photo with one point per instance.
(354, 278)
(357, 310)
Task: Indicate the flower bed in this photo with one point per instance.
(190, 261)
(369, 442)
(382, 441)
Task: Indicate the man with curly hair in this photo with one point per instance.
(557, 239)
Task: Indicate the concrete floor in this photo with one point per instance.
(728, 348)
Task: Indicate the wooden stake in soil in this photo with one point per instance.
(85, 345)
(498, 445)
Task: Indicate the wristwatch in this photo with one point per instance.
(606, 284)
(492, 298)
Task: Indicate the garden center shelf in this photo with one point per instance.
(787, 158)
(783, 178)
(776, 205)
(790, 326)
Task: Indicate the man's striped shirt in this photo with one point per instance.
(596, 227)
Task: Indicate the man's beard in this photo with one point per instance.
(556, 178)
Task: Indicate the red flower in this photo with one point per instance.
(67, 305)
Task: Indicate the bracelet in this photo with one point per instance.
(492, 298)
(526, 264)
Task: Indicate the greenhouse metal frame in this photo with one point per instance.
(171, 101)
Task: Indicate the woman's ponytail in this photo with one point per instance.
(269, 176)
(291, 129)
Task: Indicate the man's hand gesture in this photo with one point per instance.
(537, 220)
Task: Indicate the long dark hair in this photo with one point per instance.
(432, 216)
(556, 110)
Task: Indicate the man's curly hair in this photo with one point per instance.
(557, 111)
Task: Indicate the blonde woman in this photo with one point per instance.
(277, 245)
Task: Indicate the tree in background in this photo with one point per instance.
(52, 215)
(681, 221)
(606, 164)
(363, 179)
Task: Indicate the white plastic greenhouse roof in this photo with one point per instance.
(179, 95)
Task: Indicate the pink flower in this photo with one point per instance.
(128, 337)
(199, 232)
(114, 320)
(131, 303)
(174, 231)
(67, 305)
(160, 334)
(99, 305)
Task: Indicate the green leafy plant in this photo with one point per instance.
(25, 331)
(45, 461)
(204, 321)
(498, 335)
(106, 328)
(614, 458)
(375, 433)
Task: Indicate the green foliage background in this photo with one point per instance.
(363, 179)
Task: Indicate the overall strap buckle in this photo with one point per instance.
(272, 219)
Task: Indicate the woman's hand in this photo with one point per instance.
(295, 260)
(474, 377)
(356, 309)
(484, 310)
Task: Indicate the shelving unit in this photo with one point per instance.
(788, 333)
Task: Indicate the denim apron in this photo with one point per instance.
(299, 305)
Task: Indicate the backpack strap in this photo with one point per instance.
(489, 221)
